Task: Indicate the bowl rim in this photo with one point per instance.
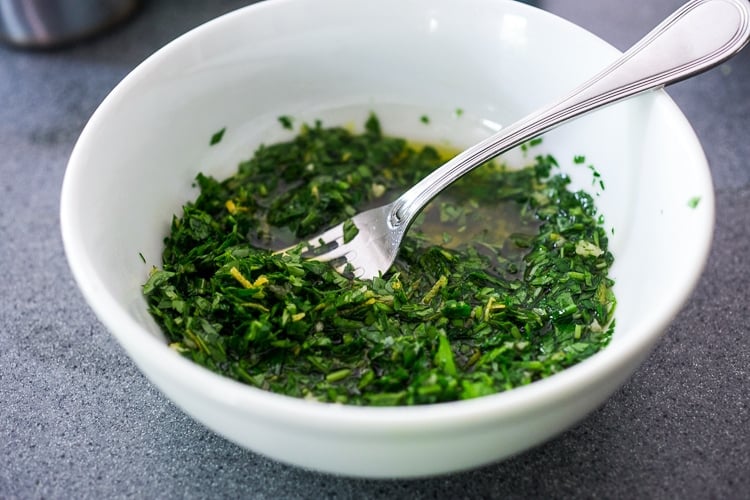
(349, 419)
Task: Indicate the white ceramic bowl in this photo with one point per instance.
(134, 163)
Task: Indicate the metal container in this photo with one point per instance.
(51, 23)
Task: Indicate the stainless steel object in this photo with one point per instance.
(697, 37)
(50, 23)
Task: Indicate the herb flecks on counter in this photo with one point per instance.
(502, 282)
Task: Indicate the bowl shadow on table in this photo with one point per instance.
(581, 458)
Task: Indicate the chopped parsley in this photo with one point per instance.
(533, 142)
(502, 282)
(286, 121)
(216, 138)
(350, 230)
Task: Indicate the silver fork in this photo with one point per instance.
(695, 38)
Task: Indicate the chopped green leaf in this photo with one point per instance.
(501, 282)
(350, 230)
(216, 138)
(286, 121)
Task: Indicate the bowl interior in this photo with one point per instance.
(334, 60)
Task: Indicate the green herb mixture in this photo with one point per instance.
(503, 281)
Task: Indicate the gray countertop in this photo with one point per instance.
(78, 420)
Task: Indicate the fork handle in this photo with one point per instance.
(695, 38)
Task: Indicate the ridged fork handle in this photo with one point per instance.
(697, 37)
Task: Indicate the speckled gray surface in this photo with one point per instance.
(78, 420)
